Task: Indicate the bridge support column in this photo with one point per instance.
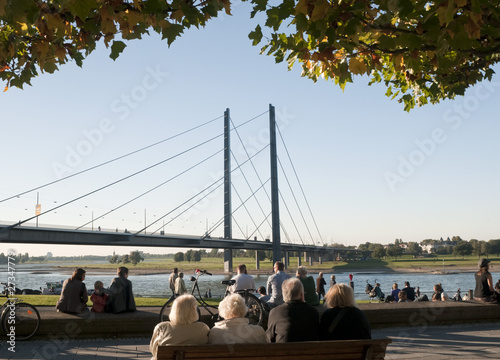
(299, 258)
(257, 262)
(320, 259)
(310, 259)
(228, 260)
(287, 259)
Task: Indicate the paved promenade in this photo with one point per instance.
(466, 341)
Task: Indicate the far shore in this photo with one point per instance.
(311, 269)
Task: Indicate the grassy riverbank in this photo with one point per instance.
(216, 265)
(51, 300)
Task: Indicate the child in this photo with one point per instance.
(99, 298)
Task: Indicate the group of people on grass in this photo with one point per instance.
(116, 299)
(293, 315)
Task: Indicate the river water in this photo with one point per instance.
(34, 276)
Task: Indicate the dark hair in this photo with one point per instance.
(280, 265)
(242, 268)
(402, 294)
(262, 290)
(78, 274)
(407, 283)
(122, 271)
(176, 270)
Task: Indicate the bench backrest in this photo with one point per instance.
(324, 350)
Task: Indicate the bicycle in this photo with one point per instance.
(255, 312)
(19, 319)
(165, 310)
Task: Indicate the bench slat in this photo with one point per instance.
(326, 350)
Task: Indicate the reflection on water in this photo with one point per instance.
(157, 285)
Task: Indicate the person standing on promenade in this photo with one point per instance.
(320, 286)
(243, 280)
(122, 297)
(484, 283)
(274, 283)
(310, 295)
(74, 295)
(410, 292)
(295, 320)
(332, 281)
(171, 280)
(180, 285)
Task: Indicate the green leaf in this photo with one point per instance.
(256, 35)
(116, 49)
(80, 8)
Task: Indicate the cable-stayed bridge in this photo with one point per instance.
(220, 234)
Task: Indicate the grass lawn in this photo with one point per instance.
(51, 300)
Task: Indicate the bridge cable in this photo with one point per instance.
(296, 202)
(199, 193)
(300, 185)
(117, 181)
(248, 212)
(263, 221)
(291, 218)
(255, 170)
(184, 203)
(124, 156)
(154, 188)
(110, 161)
(239, 206)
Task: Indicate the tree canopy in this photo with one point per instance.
(422, 51)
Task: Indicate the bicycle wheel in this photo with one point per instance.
(165, 311)
(255, 312)
(23, 321)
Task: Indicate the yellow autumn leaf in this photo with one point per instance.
(320, 10)
(302, 7)
(177, 15)
(61, 53)
(399, 62)
(472, 29)
(5, 89)
(357, 66)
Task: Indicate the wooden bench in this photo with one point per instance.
(323, 350)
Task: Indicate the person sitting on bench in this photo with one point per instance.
(183, 327)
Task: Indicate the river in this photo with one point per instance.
(34, 276)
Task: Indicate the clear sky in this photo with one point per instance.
(370, 171)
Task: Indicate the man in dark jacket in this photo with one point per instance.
(410, 292)
(122, 297)
(295, 320)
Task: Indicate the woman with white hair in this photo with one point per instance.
(343, 320)
(183, 327)
(235, 329)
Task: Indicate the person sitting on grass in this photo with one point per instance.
(182, 328)
(235, 329)
(99, 298)
(403, 297)
(343, 320)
